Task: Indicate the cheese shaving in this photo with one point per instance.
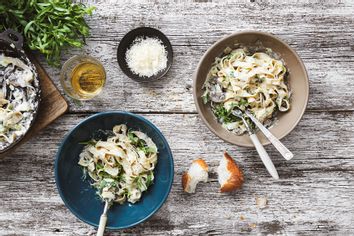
(146, 57)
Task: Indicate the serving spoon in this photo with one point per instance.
(276, 142)
(103, 219)
(259, 147)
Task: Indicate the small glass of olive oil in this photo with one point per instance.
(82, 77)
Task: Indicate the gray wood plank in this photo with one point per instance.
(313, 196)
(322, 34)
(315, 193)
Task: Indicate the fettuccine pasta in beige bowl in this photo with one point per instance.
(251, 71)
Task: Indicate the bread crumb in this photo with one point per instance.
(253, 225)
(242, 217)
(261, 202)
(152, 93)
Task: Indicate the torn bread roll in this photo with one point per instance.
(230, 176)
(198, 172)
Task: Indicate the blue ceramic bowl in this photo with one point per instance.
(81, 198)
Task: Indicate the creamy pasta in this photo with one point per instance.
(247, 81)
(121, 167)
(18, 99)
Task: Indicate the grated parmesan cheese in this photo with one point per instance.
(146, 56)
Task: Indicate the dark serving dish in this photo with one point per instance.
(11, 44)
(126, 43)
(81, 198)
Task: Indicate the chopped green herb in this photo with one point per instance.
(89, 142)
(141, 183)
(224, 115)
(140, 143)
(132, 137)
(99, 166)
(205, 97)
(147, 149)
(150, 178)
(243, 102)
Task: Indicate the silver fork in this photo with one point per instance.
(259, 147)
(276, 142)
(103, 219)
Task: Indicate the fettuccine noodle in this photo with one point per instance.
(255, 82)
(121, 167)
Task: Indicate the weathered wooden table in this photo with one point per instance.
(315, 195)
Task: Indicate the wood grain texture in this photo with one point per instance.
(52, 105)
(315, 193)
(313, 196)
(321, 33)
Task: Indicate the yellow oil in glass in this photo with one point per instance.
(87, 79)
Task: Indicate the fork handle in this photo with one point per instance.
(286, 153)
(264, 156)
(102, 225)
(103, 219)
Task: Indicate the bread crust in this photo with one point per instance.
(187, 176)
(236, 178)
(201, 163)
(185, 180)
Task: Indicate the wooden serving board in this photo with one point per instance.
(52, 105)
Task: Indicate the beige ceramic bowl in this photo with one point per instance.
(299, 86)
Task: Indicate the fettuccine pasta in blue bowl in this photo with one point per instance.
(116, 156)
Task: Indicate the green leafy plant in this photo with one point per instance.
(48, 26)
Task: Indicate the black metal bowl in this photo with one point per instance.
(11, 44)
(126, 43)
